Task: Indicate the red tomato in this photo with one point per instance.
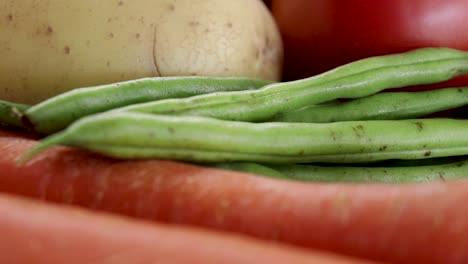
(322, 34)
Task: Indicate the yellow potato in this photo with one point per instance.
(49, 47)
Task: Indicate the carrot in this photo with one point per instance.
(36, 233)
(426, 223)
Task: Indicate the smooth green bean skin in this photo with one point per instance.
(408, 174)
(383, 106)
(10, 114)
(58, 112)
(128, 135)
(265, 103)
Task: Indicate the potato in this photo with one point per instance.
(49, 47)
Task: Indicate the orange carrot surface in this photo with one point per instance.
(36, 233)
(426, 223)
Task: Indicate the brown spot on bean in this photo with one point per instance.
(427, 153)
(358, 130)
(193, 73)
(137, 35)
(67, 50)
(111, 35)
(442, 175)
(10, 17)
(419, 125)
(109, 20)
(301, 152)
(120, 3)
(229, 24)
(171, 7)
(382, 148)
(171, 130)
(50, 30)
(151, 134)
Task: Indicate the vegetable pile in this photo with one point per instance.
(297, 130)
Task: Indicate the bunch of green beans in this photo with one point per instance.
(284, 125)
(246, 99)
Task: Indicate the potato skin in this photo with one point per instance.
(49, 47)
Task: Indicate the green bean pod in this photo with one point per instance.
(409, 174)
(354, 174)
(383, 106)
(422, 66)
(10, 114)
(129, 135)
(58, 112)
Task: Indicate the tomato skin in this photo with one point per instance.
(322, 34)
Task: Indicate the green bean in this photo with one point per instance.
(57, 112)
(417, 67)
(10, 113)
(130, 135)
(390, 106)
(407, 174)
(353, 174)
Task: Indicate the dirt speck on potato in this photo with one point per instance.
(120, 3)
(50, 30)
(10, 17)
(257, 53)
(67, 50)
(194, 23)
(229, 24)
(171, 7)
(137, 35)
